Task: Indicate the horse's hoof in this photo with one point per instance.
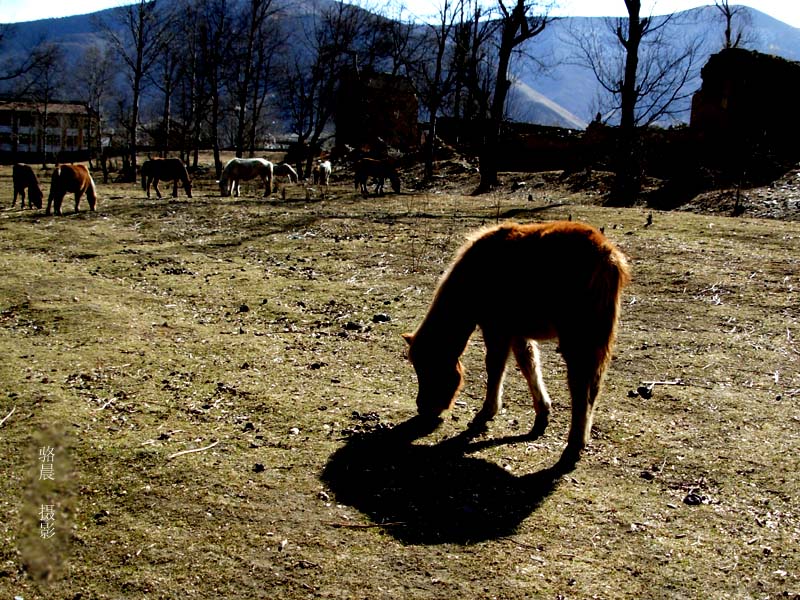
(480, 424)
(539, 426)
(569, 460)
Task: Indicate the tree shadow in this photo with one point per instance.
(434, 494)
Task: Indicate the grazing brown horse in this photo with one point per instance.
(166, 169)
(521, 283)
(379, 170)
(24, 177)
(71, 178)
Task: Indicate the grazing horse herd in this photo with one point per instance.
(76, 179)
(516, 283)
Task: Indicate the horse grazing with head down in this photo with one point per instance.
(71, 179)
(286, 170)
(24, 177)
(518, 284)
(244, 169)
(166, 169)
(379, 170)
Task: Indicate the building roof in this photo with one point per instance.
(74, 108)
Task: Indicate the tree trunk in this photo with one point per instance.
(627, 183)
(430, 145)
(488, 156)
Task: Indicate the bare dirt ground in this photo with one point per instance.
(223, 387)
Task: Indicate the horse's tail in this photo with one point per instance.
(184, 176)
(611, 273)
(91, 192)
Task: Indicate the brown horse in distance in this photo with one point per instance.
(166, 169)
(24, 177)
(71, 179)
(379, 170)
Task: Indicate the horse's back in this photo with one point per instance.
(540, 277)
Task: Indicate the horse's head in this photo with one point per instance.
(224, 188)
(439, 379)
(188, 187)
(35, 195)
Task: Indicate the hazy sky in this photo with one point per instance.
(787, 11)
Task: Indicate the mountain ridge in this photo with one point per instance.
(565, 94)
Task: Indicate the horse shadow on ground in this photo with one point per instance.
(434, 494)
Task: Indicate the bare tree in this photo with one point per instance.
(45, 83)
(17, 67)
(254, 43)
(192, 93)
(644, 67)
(94, 75)
(470, 97)
(734, 37)
(519, 22)
(144, 31)
(433, 80)
(400, 44)
(336, 44)
(164, 76)
(215, 35)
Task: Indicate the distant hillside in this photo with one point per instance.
(563, 94)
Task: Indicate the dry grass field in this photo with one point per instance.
(223, 386)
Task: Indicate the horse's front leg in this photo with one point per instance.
(527, 354)
(498, 347)
(175, 189)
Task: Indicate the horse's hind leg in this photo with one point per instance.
(585, 368)
(498, 347)
(527, 354)
(175, 189)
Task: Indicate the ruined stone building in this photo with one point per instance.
(748, 97)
